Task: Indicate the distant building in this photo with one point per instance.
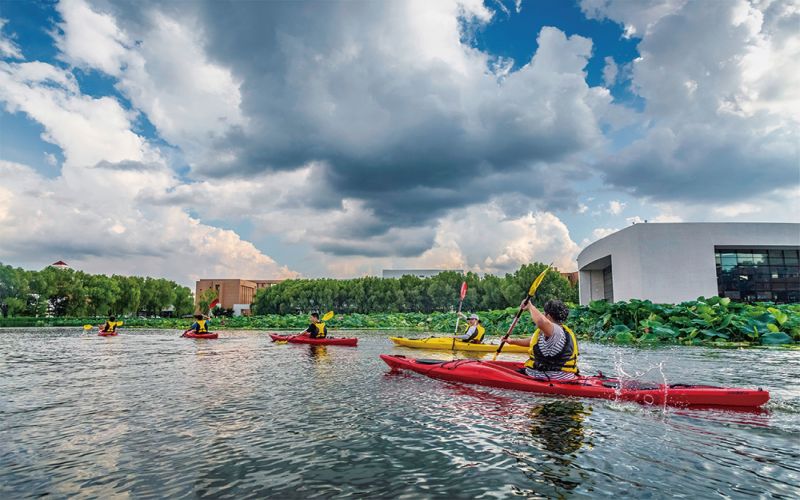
(419, 273)
(60, 265)
(676, 262)
(236, 294)
(571, 277)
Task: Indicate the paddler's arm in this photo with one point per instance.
(544, 324)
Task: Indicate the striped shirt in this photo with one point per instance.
(550, 347)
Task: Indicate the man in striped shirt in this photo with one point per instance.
(553, 347)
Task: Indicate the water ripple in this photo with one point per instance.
(148, 414)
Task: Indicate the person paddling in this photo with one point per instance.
(553, 347)
(200, 324)
(475, 331)
(316, 328)
(111, 324)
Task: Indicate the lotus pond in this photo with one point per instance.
(148, 414)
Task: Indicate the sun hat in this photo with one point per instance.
(473, 316)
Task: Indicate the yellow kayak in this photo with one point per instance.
(446, 344)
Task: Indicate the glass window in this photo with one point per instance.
(759, 257)
(790, 257)
(775, 257)
(745, 258)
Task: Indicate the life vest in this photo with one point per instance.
(111, 326)
(565, 361)
(321, 331)
(201, 323)
(479, 333)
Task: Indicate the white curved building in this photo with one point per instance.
(675, 262)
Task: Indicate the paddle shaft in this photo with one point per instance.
(458, 315)
(511, 327)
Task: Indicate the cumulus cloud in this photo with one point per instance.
(480, 238)
(722, 97)
(160, 65)
(90, 213)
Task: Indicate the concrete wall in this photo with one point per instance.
(673, 262)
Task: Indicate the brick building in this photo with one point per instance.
(236, 294)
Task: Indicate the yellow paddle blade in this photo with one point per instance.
(328, 315)
(537, 282)
(87, 327)
(120, 323)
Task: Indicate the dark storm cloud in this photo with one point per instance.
(410, 124)
(320, 82)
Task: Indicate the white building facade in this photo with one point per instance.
(676, 262)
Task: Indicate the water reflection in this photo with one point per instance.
(318, 353)
(557, 426)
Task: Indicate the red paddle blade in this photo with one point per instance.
(463, 290)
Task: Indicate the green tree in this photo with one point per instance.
(205, 299)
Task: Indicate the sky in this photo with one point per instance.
(337, 139)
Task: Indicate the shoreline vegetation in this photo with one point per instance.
(709, 322)
(64, 297)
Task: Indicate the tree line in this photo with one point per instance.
(411, 294)
(66, 292)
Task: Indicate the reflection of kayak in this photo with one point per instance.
(301, 339)
(191, 335)
(446, 344)
(104, 333)
(504, 374)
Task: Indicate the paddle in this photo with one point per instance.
(458, 315)
(531, 292)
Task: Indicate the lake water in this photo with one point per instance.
(148, 414)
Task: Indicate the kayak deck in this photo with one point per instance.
(107, 334)
(446, 344)
(505, 375)
(301, 339)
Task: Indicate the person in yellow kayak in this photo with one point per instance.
(200, 324)
(110, 326)
(475, 331)
(553, 347)
(316, 328)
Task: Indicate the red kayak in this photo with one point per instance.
(192, 335)
(302, 339)
(104, 333)
(505, 374)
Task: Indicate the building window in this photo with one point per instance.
(608, 285)
(751, 275)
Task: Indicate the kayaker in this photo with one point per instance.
(553, 347)
(111, 324)
(316, 328)
(200, 324)
(475, 331)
